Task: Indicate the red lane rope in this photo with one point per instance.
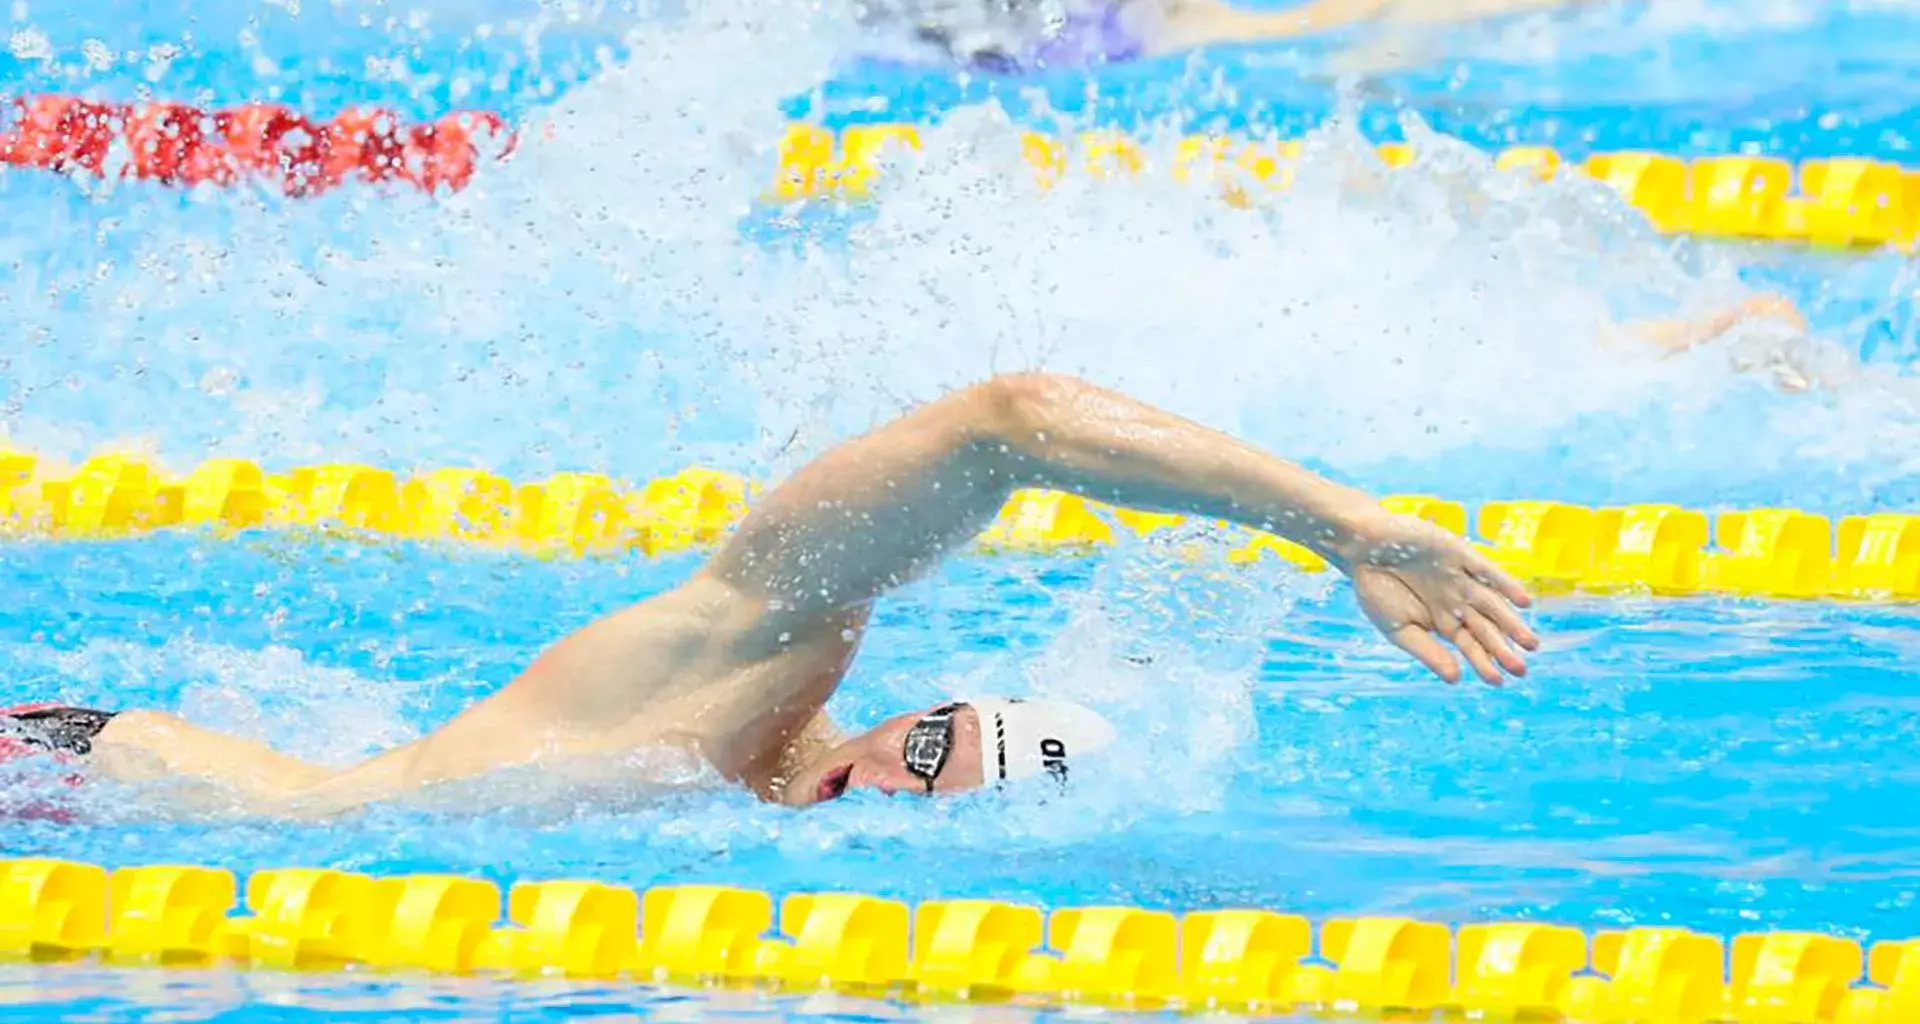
(183, 145)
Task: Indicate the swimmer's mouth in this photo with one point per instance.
(834, 783)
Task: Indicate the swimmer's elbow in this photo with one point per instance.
(1017, 411)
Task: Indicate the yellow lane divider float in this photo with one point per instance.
(314, 919)
(1555, 547)
(1841, 202)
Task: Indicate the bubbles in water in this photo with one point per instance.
(597, 303)
(274, 695)
(609, 300)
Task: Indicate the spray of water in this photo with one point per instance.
(1561, 38)
(246, 693)
(596, 303)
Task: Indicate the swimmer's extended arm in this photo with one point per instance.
(1190, 23)
(874, 512)
(1676, 336)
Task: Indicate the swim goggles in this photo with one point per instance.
(929, 744)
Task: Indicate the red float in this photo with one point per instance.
(275, 143)
(168, 143)
(179, 144)
(61, 133)
(364, 141)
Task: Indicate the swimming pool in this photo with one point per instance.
(1730, 766)
(1687, 763)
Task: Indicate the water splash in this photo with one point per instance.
(596, 303)
(274, 695)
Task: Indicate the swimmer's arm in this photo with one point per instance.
(874, 512)
(207, 770)
(1191, 23)
(1321, 15)
(819, 736)
(871, 514)
(1674, 336)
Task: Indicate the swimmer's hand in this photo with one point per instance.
(1420, 584)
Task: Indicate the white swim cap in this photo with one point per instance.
(1023, 738)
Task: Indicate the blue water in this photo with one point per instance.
(1729, 767)
(1688, 760)
(610, 300)
(195, 996)
(1811, 78)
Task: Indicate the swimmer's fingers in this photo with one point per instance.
(1419, 641)
(1484, 645)
(1504, 618)
(1476, 654)
(1486, 571)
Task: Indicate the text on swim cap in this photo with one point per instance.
(1053, 755)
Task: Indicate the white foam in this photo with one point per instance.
(594, 296)
(593, 303)
(1646, 33)
(275, 695)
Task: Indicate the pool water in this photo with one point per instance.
(101, 994)
(1719, 765)
(1810, 77)
(1722, 766)
(610, 300)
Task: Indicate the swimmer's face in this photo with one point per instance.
(876, 760)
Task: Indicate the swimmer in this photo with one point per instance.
(1410, 29)
(1027, 36)
(1039, 35)
(736, 664)
(1327, 15)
